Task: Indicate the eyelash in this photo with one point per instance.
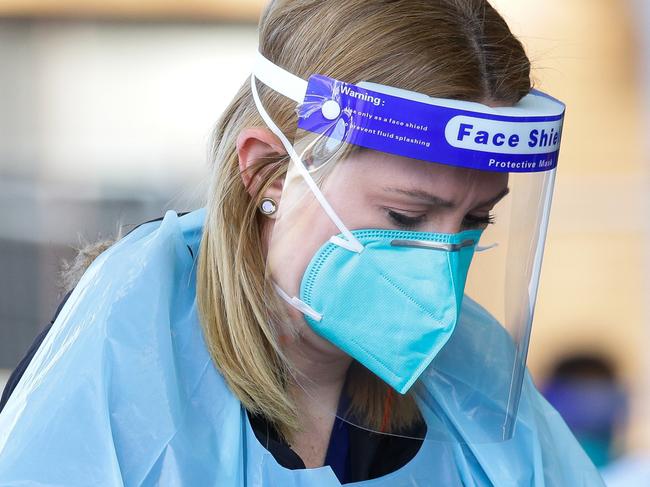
(481, 220)
(408, 223)
(403, 221)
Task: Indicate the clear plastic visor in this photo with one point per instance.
(406, 290)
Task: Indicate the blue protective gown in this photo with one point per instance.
(123, 391)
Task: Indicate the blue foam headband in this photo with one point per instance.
(521, 138)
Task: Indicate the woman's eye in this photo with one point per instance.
(475, 221)
(404, 221)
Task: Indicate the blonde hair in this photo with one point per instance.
(458, 49)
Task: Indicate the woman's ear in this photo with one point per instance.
(254, 144)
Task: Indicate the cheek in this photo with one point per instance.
(302, 226)
(294, 239)
(347, 192)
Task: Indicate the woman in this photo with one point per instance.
(309, 325)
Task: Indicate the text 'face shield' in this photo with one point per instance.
(407, 247)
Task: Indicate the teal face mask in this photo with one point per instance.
(393, 305)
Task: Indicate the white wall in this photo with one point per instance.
(101, 110)
(101, 124)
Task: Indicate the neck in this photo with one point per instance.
(319, 370)
(319, 376)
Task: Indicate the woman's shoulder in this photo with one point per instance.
(70, 271)
(120, 368)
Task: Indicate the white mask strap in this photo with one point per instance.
(298, 304)
(351, 242)
(485, 248)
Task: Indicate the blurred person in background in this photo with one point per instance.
(309, 325)
(586, 392)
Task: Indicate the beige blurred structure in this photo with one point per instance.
(593, 294)
(222, 10)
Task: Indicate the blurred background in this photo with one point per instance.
(105, 113)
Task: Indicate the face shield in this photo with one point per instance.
(408, 239)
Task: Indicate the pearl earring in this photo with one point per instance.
(268, 206)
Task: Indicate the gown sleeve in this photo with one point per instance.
(18, 372)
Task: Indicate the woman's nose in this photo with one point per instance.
(449, 223)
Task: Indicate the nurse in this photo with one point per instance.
(353, 305)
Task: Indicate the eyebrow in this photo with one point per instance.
(494, 200)
(441, 202)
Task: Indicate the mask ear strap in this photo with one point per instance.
(298, 304)
(350, 242)
(484, 248)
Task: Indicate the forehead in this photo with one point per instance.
(370, 171)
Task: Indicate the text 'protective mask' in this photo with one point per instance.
(384, 202)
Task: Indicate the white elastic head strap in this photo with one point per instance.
(281, 80)
(295, 88)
